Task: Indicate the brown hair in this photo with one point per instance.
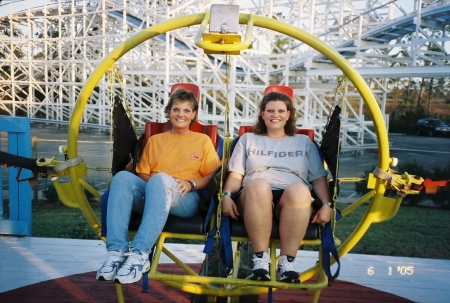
(290, 127)
(181, 95)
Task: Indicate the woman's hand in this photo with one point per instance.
(232, 185)
(183, 186)
(323, 215)
(322, 190)
(129, 166)
(229, 208)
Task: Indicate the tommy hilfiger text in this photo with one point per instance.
(255, 152)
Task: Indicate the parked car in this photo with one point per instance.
(432, 127)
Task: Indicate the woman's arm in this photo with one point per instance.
(232, 186)
(322, 191)
(184, 186)
(144, 177)
(199, 183)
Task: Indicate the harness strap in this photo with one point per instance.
(404, 184)
(211, 209)
(54, 167)
(328, 247)
(388, 176)
(223, 236)
(211, 236)
(385, 175)
(226, 250)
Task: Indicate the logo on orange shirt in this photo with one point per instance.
(195, 156)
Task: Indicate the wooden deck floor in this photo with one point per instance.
(84, 288)
(63, 270)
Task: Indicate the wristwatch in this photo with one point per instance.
(227, 193)
(327, 203)
(192, 185)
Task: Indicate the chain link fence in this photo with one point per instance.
(93, 145)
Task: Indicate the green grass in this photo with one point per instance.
(54, 220)
(419, 232)
(414, 232)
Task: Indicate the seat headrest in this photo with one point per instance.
(153, 128)
(282, 89)
(190, 87)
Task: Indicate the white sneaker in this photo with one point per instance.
(260, 270)
(113, 262)
(286, 270)
(132, 269)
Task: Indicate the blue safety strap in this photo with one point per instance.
(211, 209)
(226, 251)
(209, 241)
(104, 212)
(225, 248)
(210, 237)
(145, 275)
(328, 247)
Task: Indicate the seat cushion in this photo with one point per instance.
(238, 230)
(152, 128)
(191, 225)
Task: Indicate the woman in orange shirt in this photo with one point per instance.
(173, 166)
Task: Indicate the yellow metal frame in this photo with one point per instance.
(380, 208)
(215, 43)
(226, 287)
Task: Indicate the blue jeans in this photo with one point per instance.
(154, 200)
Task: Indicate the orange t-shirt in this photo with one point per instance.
(187, 157)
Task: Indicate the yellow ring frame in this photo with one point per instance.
(380, 208)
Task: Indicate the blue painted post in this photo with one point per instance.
(1, 187)
(19, 143)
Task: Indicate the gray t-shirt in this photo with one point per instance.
(292, 159)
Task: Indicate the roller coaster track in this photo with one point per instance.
(48, 51)
(380, 37)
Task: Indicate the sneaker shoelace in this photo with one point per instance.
(285, 266)
(260, 263)
(113, 256)
(133, 258)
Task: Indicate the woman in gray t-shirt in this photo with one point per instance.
(271, 174)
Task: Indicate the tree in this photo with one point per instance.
(430, 94)
(395, 82)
